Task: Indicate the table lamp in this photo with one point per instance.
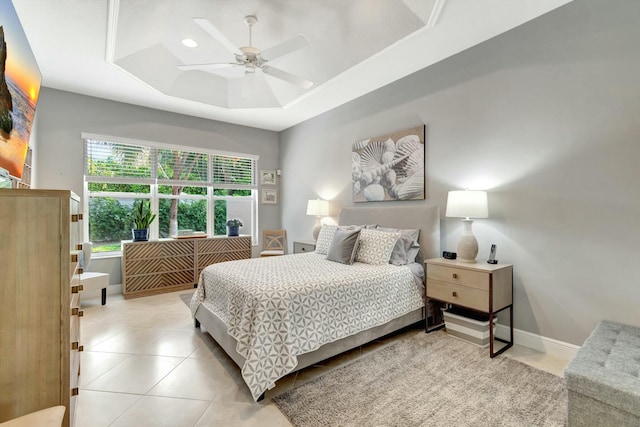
(467, 204)
(319, 208)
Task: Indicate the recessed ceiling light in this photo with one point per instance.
(189, 43)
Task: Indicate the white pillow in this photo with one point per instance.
(375, 246)
(325, 238)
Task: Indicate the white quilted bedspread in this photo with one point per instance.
(280, 307)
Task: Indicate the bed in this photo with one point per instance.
(275, 315)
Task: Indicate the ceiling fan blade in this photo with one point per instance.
(211, 66)
(288, 77)
(284, 48)
(206, 25)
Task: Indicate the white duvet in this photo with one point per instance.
(280, 307)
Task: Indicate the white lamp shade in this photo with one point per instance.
(467, 204)
(318, 207)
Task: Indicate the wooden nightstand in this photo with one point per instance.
(485, 288)
(304, 247)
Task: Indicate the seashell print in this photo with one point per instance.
(410, 145)
(369, 176)
(409, 139)
(388, 179)
(389, 167)
(371, 155)
(389, 146)
(412, 187)
(359, 145)
(388, 156)
(356, 168)
(374, 193)
(357, 187)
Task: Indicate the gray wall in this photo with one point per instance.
(63, 116)
(545, 118)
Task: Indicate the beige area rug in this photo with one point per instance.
(429, 380)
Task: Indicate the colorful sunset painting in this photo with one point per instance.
(19, 89)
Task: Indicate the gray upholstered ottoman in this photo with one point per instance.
(603, 380)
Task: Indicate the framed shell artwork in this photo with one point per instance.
(389, 167)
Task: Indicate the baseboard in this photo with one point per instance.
(114, 289)
(539, 343)
(111, 290)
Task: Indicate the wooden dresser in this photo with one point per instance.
(39, 315)
(169, 265)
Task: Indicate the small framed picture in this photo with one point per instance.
(268, 177)
(269, 197)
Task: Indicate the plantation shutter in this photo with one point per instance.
(179, 167)
(111, 161)
(107, 161)
(233, 172)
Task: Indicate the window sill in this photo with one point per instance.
(106, 255)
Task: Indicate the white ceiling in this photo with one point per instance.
(128, 50)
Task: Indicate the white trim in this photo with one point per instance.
(112, 26)
(550, 346)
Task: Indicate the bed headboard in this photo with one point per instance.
(426, 218)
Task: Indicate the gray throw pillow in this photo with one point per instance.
(406, 248)
(344, 246)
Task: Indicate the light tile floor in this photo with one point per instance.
(145, 364)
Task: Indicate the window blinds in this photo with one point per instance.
(123, 162)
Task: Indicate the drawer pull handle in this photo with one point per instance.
(74, 289)
(454, 293)
(74, 391)
(74, 258)
(80, 313)
(81, 288)
(81, 348)
(455, 276)
(74, 311)
(74, 345)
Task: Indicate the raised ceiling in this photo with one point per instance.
(129, 51)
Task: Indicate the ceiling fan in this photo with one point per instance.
(251, 57)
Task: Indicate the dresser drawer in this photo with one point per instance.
(458, 295)
(454, 275)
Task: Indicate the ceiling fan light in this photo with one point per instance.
(189, 43)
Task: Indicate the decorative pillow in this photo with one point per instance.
(350, 227)
(375, 246)
(406, 248)
(324, 238)
(344, 246)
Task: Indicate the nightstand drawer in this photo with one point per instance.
(469, 278)
(303, 247)
(458, 295)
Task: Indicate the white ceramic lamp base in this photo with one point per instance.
(467, 245)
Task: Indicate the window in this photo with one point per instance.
(189, 189)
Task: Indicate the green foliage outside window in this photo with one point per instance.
(110, 219)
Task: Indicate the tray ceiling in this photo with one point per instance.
(129, 51)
